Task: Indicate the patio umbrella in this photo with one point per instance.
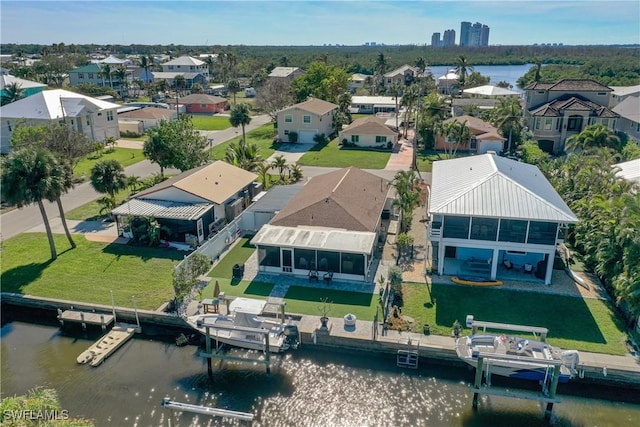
(216, 290)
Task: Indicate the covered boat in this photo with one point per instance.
(245, 327)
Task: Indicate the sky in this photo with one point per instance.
(302, 22)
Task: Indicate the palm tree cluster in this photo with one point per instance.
(608, 207)
(407, 197)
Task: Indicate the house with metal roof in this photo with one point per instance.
(186, 64)
(194, 204)
(629, 170)
(28, 87)
(93, 117)
(375, 104)
(496, 218)
(307, 119)
(370, 131)
(330, 227)
(288, 73)
(144, 118)
(557, 111)
(489, 91)
(404, 75)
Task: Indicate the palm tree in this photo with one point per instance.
(538, 67)
(12, 92)
(457, 133)
(121, 75)
(507, 116)
(106, 74)
(240, 117)
(263, 172)
(380, 68)
(280, 163)
(421, 64)
(243, 155)
(233, 86)
(107, 176)
(463, 69)
(61, 183)
(179, 83)
(594, 136)
(295, 172)
(407, 196)
(210, 61)
(27, 178)
(396, 91)
(409, 99)
(284, 61)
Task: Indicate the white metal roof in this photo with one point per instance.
(162, 209)
(49, 105)
(184, 60)
(493, 186)
(8, 79)
(630, 170)
(320, 238)
(283, 71)
(489, 90)
(378, 100)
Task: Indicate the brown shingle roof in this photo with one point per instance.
(349, 198)
(215, 182)
(565, 85)
(476, 126)
(149, 113)
(556, 107)
(370, 125)
(201, 98)
(314, 105)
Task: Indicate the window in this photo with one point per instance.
(537, 123)
(304, 259)
(288, 118)
(269, 256)
(286, 131)
(602, 93)
(548, 123)
(484, 228)
(512, 230)
(109, 116)
(81, 75)
(306, 119)
(456, 227)
(88, 120)
(474, 143)
(381, 139)
(203, 106)
(355, 138)
(542, 233)
(170, 67)
(605, 122)
(574, 123)
(9, 125)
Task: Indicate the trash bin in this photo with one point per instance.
(238, 271)
(427, 329)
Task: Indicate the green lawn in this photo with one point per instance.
(210, 122)
(587, 325)
(141, 138)
(91, 211)
(88, 272)
(261, 136)
(305, 300)
(332, 155)
(126, 157)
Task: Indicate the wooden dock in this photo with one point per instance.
(85, 318)
(108, 344)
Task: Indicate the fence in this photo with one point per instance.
(212, 248)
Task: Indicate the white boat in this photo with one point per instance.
(515, 357)
(245, 328)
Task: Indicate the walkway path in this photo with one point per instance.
(402, 155)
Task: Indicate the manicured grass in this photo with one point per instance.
(88, 272)
(587, 325)
(91, 211)
(332, 155)
(210, 122)
(135, 138)
(262, 137)
(306, 300)
(239, 254)
(126, 157)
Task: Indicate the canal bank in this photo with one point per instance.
(610, 370)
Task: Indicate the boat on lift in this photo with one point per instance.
(245, 327)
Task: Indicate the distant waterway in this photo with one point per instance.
(497, 73)
(310, 387)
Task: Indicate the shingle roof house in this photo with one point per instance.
(331, 226)
(307, 119)
(492, 209)
(369, 131)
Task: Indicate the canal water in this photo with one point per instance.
(307, 388)
(496, 73)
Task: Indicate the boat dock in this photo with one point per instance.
(205, 410)
(108, 344)
(85, 318)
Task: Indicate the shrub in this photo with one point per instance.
(395, 278)
(293, 137)
(345, 141)
(319, 138)
(129, 134)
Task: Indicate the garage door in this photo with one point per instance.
(306, 136)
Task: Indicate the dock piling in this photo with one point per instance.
(208, 349)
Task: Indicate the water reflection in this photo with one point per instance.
(307, 388)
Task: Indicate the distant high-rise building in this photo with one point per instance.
(449, 38)
(435, 40)
(474, 35)
(484, 36)
(465, 33)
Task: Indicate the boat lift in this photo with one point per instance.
(209, 354)
(205, 410)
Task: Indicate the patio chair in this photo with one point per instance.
(328, 276)
(528, 268)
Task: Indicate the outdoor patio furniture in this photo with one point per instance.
(528, 268)
(328, 276)
(507, 264)
(313, 275)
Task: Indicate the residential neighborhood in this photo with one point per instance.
(396, 211)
